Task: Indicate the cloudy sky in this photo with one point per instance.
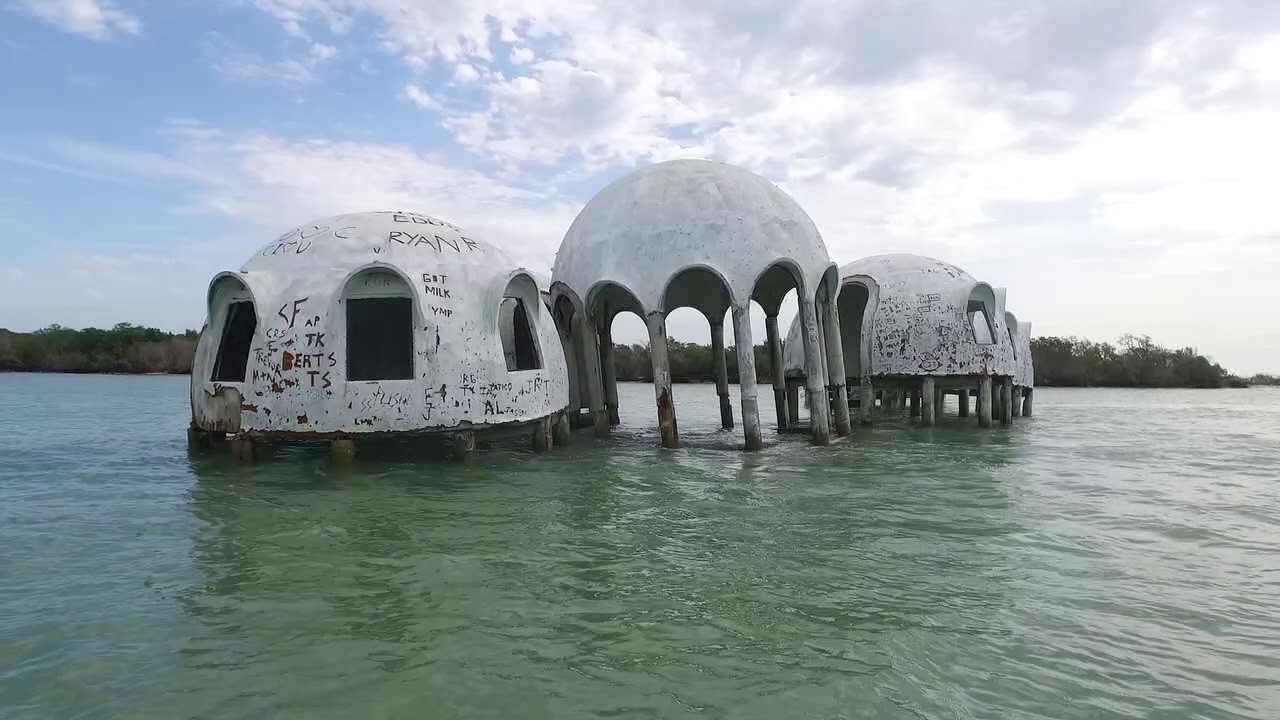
(1108, 161)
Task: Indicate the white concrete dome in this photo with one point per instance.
(376, 322)
(907, 315)
(644, 229)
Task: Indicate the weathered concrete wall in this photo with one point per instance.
(917, 321)
(296, 377)
(1026, 375)
(643, 230)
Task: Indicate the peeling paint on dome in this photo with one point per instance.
(376, 322)
(909, 315)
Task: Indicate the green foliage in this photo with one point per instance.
(1135, 361)
(124, 348)
(690, 362)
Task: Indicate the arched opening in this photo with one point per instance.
(614, 307)
(379, 324)
(851, 305)
(981, 310)
(515, 325)
(236, 320)
(1011, 327)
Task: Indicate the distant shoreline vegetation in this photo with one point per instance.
(1135, 361)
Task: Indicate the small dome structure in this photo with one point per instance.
(378, 322)
(912, 315)
(906, 317)
(686, 233)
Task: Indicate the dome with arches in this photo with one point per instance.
(910, 315)
(376, 322)
(685, 233)
(642, 231)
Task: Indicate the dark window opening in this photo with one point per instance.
(983, 332)
(237, 336)
(1014, 342)
(380, 338)
(519, 344)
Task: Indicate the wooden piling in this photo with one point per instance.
(963, 397)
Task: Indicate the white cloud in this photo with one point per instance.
(1127, 142)
(96, 19)
(238, 63)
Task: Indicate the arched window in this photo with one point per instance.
(379, 312)
(515, 325)
(982, 304)
(239, 322)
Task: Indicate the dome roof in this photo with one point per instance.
(642, 230)
(883, 267)
(913, 319)
(395, 238)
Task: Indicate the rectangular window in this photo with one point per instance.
(379, 338)
(233, 348)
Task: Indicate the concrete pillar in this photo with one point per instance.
(815, 388)
(197, 438)
(963, 396)
(868, 402)
(343, 450)
(915, 403)
(721, 367)
(939, 402)
(793, 402)
(835, 367)
(928, 393)
(542, 438)
(984, 401)
(779, 380)
(585, 331)
(572, 366)
(747, 377)
(1006, 401)
(560, 431)
(657, 323)
(462, 442)
(1026, 401)
(608, 372)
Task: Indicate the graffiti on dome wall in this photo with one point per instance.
(295, 380)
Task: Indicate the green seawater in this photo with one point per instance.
(1114, 556)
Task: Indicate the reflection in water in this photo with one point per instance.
(677, 574)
